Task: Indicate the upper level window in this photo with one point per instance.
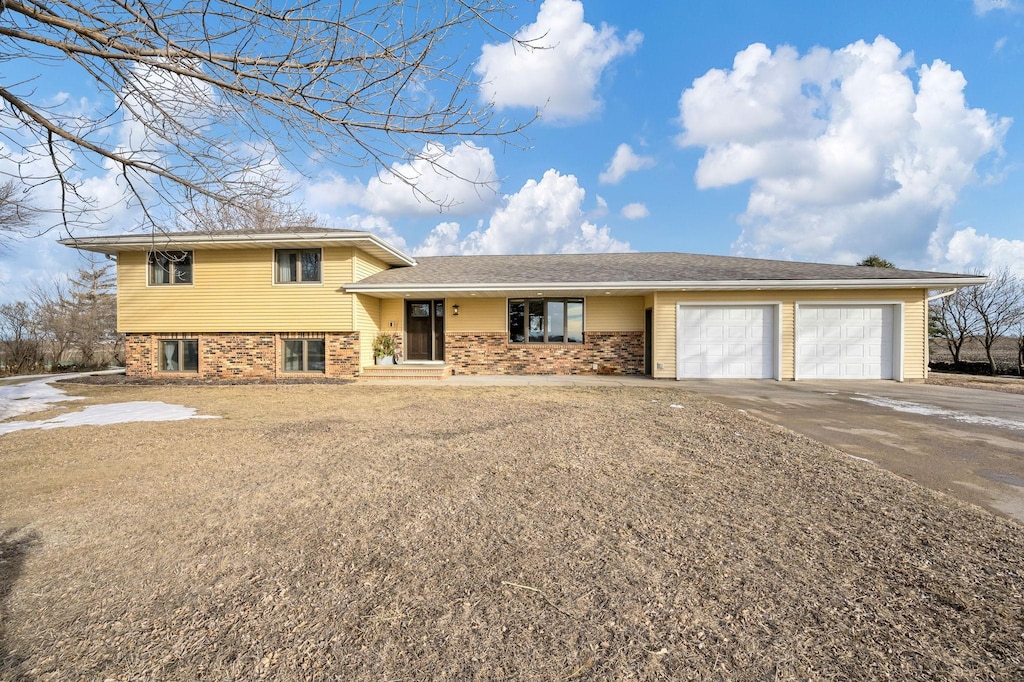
(170, 267)
(297, 265)
(545, 320)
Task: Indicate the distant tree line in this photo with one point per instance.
(63, 324)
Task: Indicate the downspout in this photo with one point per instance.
(944, 294)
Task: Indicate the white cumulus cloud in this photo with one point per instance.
(332, 192)
(965, 250)
(560, 71)
(443, 240)
(624, 162)
(845, 153)
(458, 182)
(544, 216)
(635, 211)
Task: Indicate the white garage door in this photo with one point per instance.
(725, 342)
(844, 342)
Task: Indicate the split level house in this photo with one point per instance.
(278, 304)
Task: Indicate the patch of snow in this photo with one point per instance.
(941, 412)
(115, 413)
(30, 396)
(34, 395)
(676, 406)
(859, 459)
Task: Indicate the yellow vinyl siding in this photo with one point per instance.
(364, 265)
(915, 325)
(476, 315)
(614, 314)
(915, 337)
(605, 314)
(234, 290)
(366, 311)
(392, 314)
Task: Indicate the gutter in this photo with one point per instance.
(111, 245)
(745, 285)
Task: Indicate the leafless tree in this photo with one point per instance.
(52, 318)
(206, 95)
(956, 321)
(999, 306)
(260, 214)
(1018, 336)
(15, 212)
(19, 348)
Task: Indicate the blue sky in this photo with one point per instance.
(820, 131)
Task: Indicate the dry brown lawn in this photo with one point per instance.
(981, 382)
(485, 533)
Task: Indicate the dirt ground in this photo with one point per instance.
(458, 533)
(1004, 352)
(1003, 384)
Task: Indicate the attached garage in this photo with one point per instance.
(726, 341)
(848, 341)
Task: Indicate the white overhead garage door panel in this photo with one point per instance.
(845, 341)
(725, 342)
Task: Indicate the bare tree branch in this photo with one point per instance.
(200, 93)
(15, 212)
(999, 305)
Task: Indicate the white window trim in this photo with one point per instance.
(171, 285)
(273, 268)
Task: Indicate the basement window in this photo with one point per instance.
(304, 355)
(179, 355)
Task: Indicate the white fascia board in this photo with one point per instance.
(733, 285)
(111, 245)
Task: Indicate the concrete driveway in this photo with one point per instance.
(965, 442)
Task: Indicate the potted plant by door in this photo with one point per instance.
(384, 349)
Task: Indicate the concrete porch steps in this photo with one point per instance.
(412, 371)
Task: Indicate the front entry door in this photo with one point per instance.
(424, 330)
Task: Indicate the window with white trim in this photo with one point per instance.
(170, 267)
(297, 266)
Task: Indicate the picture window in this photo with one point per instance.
(545, 320)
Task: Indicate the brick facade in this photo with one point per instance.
(491, 353)
(240, 355)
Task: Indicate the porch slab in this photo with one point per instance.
(410, 371)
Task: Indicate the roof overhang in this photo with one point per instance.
(163, 241)
(526, 289)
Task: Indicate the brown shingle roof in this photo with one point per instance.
(627, 268)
